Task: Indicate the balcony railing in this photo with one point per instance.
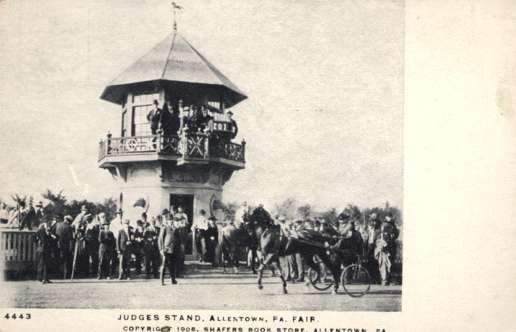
(195, 147)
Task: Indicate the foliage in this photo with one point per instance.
(287, 208)
(229, 210)
(304, 211)
(58, 204)
(330, 215)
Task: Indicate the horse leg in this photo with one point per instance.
(223, 259)
(260, 275)
(235, 261)
(336, 275)
(253, 257)
(283, 281)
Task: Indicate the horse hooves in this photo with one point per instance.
(260, 287)
(334, 292)
(285, 291)
(254, 272)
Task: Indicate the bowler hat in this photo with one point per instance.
(68, 218)
(165, 211)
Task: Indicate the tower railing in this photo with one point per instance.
(188, 146)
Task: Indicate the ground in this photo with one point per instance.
(200, 289)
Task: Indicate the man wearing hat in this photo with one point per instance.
(39, 217)
(212, 239)
(385, 248)
(234, 127)
(124, 243)
(169, 246)
(199, 227)
(43, 239)
(151, 249)
(64, 233)
(106, 248)
(28, 216)
(80, 256)
(115, 226)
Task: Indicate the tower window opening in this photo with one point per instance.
(142, 105)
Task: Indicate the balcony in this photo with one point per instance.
(198, 148)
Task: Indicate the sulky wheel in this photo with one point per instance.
(320, 281)
(355, 280)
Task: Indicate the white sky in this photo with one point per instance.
(323, 121)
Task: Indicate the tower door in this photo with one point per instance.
(185, 201)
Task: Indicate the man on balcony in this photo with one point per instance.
(233, 128)
(203, 119)
(170, 120)
(155, 117)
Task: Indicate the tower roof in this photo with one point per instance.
(176, 62)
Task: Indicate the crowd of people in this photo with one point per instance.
(174, 118)
(91, 245)
(375, 241)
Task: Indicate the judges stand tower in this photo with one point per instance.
(187, 168)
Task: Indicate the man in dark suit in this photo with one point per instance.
(28, 216)
(92, 245)
(170, 121)
(234, 127)
(106, 248)
(151, 249)
(154, 117)
(64, 233)
(169, 246)
(43, 239)
(124, 242)
(203, 120)
(212, 239)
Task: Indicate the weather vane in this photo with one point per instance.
(175, 7)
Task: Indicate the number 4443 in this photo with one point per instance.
(17, 316)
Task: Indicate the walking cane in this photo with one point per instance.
(74, 258)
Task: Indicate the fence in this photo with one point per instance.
(17, 252)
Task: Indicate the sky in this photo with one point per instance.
(323, 122)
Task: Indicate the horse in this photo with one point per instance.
(274, 244)
(235, 238)
(245, 236)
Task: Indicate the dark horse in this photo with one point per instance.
(245, 236)
(309, 244)
(235, 238)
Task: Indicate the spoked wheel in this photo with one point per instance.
(355, 280)
(320, 281)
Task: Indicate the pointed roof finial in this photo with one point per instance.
(175, 7)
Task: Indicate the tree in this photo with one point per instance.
(304, 211)
(57, 202)
(229, 210)
(287, 208)
(354, 212)
(330, 216)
